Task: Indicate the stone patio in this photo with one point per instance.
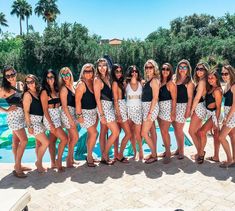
(182, 184)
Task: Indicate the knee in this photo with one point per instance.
(144, 134)
(191, 131)
(116, 132)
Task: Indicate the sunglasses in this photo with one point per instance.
(148, 67)
(224, 74)
(200, 69)
(65, 75)
(29, 82)
(50, 77)
(88, 71)
(118, 71)
(165, 69)
(134, 71)
(183, 68)
(102, 65)
(10, 76)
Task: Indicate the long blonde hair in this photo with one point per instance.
(231, 72)
(188, 77)
(61, 81)
(97, 73)
(205, 66)
(156, 73)
(81, 77)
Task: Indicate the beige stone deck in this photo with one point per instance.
(178, 185)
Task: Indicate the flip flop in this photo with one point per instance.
(19, 174)
(90, 164)
(212, 159)
(151, 160)
(166, 160)
(25, 168)
(123, 160)
(162, 155)
(226, 165)
(109, 163)
(180, 157)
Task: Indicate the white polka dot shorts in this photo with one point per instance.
(231, 122)
(180, 112)
(134, 113)
(123, 110)
(108, 110)
(146, 108)
(15, 119)
(201, 111)
(165, 108)
(65, 119)
(55, 118)
(38, 127)
(90, 117)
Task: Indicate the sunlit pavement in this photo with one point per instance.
(182, 184)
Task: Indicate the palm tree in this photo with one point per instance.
(18, 9)
(47, 9)
(3, 21)
(28, 12)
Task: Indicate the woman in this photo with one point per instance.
(228, 75)
(213, 101)
(12, 91)
(150, 107)
(198, 110)
(33, 116)
(185, 89)
(103, 96)
(134, 107)
(86, 112)
(118, 89)
(52, 121)
(167, 107)
(67, 97)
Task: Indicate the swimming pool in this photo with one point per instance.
(6, 155)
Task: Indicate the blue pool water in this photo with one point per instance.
(6, 155)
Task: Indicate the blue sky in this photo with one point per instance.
(121, 18)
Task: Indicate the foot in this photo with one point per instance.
(180, 156)
(53, 165)
(60, 169)
(176, 152)
(226, 164)
(91, 164)
(19, 174)
(107, 162)
(166, 160)
(40, 168)
(162, 155)
(151, 160)
(213, 159)
(194, 157)
(123, 160)
(25, 168)
(141, 155)
(148, 157)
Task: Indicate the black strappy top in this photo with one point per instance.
(35, 106)
(228, 98)
(106, 93)
(210, 99)
(195, 93)
(164, 93)
(70, 98)
(147, 94)
(15, 99)
(88, 99)
(53, 101)
(182, 94)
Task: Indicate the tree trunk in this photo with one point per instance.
(20, 27)
(27, 24)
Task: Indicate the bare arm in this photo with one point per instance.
(10, 108)
(80, 90)
(190, 88)
(173, 91)
(27, 100)
(218, 100)
(232, 109)
(116, 98)
(64, 104)
(200, 91)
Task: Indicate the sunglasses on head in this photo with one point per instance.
(29, 82)
(165, 69)
(88, 71)
(224, 74)
(65, 75)
(200, 69)
(183, 67)
(10, 76)
(50, 77)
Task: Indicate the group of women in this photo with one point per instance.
(129, 102)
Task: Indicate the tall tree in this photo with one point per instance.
(28, 13)
(47, 9)
(3, 21)
(18, 9)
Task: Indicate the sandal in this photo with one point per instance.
(19, 174)
(226, 165)
(180, 157)
(166, 160)
(162, 155)
(151, 160)
(91, 164)
(123, 160)
(107, 162)
(212, 159)
(200, 159)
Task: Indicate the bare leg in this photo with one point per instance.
(52, 151)
(133, 138)
(216, 144)
(154, 136)
(91, 140)
(232, 138)
(179, 134)
(138, 137)
(73, 139)
(102, 138)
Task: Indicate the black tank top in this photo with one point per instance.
(88, 99)
(182, 94)
(15, 99)
(195, 93)
(228, 98)
(147, 94)
(35, 106)
(164, 93)
(210, 99)
(106, 93)
(70, 98)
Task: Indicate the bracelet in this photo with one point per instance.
(79, 115)
(101, 116)
(149, 112)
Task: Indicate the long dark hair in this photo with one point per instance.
(45, 85)
(171, 72)
(37, 84)
(114, 78)
(129, 71)
(216, 74)
(6, 85)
